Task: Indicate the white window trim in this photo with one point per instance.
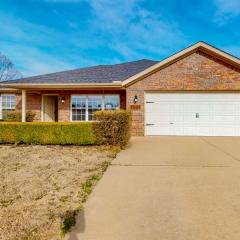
(87, 95)
(1, 102)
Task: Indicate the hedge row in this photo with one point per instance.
(111, 127)
(47, 133)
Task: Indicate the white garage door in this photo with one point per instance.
(197, 114)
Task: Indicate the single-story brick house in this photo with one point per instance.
(193, 92)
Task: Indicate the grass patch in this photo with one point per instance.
(42, 195)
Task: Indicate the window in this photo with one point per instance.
(84, 106)
(8, 104)
(79, 108)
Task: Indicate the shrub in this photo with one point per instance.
(48, 133)
(68, 220)
(113, 127)
(16, 116)
(13, 116)
(30, 116)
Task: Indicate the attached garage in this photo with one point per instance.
(195, 92)
(192, 114)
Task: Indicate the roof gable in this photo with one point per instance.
(200, 46)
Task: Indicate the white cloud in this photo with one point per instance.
(226, 9)
(134, 30)
(36, 49)
(121, 27)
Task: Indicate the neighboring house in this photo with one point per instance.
(193, 92)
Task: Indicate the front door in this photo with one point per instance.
(50, 108)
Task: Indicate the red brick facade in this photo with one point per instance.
(34, 101)
(196, 72)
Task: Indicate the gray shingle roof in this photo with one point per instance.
(96, 74)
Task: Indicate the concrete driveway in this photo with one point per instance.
(168, 188)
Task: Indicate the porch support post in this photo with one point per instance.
(23, 105)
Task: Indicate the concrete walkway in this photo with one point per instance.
(167, 188)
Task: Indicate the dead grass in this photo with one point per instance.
(39, 184)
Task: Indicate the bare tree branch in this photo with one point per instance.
(7, 69)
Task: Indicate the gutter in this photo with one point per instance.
(115, 85)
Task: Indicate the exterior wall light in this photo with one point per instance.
(135, 99)
(63, 100)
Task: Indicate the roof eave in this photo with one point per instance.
(66, 86)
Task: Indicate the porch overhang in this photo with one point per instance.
(62, 86)
(7, 90)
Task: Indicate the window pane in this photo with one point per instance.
(78, 102)
(74, 117)
(111, 102)
(79, 108)
(95, 102)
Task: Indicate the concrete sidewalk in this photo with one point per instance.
(168, 188)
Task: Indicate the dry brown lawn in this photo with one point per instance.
(38, 184)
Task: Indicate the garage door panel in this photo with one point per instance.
(208, 114)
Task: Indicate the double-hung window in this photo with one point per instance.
(7, 104)
(84, 106)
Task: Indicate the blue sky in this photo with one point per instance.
(42, 36)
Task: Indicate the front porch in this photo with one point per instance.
(68, 105)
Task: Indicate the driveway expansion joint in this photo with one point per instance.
(221, 150)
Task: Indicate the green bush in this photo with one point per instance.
(48, 133)
(113, 127)
(68, 220)
(16, 116)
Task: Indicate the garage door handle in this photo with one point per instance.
(149, 102)
(171, 123)
(150, 124)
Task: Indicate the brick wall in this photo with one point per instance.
(33, 104)
(34, 101)
(193, 73)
